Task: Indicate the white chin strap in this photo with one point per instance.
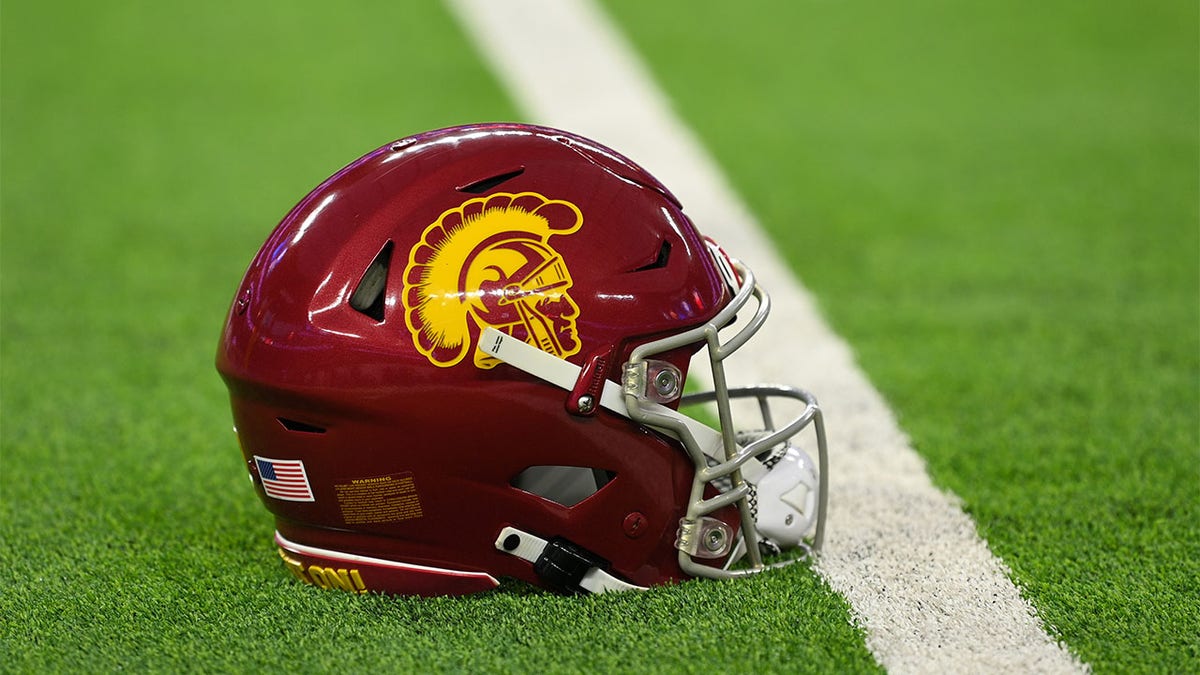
(531, 548)
(562, 373)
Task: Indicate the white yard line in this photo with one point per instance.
(929, 593)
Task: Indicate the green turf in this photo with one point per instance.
(148, 148)
(996, 203)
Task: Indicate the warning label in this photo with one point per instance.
(382, 499)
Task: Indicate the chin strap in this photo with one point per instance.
(561, 563)
(543, 365)
(563, 374)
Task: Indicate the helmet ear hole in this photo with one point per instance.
(563, 485)
(368, 296)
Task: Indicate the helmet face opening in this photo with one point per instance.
(445, 370)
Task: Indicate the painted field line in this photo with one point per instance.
(929, 593)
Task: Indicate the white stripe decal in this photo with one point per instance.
(926, 588)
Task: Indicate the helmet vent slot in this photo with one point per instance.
(300, 427)
(368, 297)
(481, 186)
(660, 260)
(563, 485)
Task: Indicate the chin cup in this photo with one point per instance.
(787, 499)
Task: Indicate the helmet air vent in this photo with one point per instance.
(660, 260)
(563, 485)
(300, 427)
(368, 296)
(481, 186)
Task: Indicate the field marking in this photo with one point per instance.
(929, 593)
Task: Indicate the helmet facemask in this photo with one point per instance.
(778, 492)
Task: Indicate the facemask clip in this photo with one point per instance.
(704, 537)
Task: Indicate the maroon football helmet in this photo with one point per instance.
(463, 357)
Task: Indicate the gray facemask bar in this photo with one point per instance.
(732, 458)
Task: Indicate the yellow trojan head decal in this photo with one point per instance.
(488, 263)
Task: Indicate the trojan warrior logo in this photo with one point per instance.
(489, 263)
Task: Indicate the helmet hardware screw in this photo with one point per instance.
(715, 540)
(634, 524)
(666, 383)
(586, 403)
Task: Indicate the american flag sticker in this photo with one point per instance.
(284, 479)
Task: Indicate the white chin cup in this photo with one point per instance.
(787, 499)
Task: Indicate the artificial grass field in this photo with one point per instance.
(995, 204)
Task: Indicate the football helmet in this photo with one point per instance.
(464, 357)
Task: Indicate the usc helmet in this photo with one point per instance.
(463, 357)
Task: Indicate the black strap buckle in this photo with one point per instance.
(563, 564)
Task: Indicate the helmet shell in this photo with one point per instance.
(410, 441)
